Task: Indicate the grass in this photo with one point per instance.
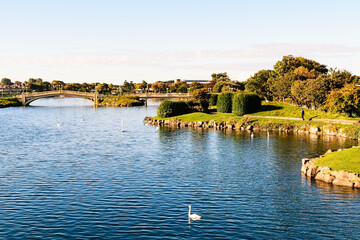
(348, 159)
(280, 109)
(276, 109)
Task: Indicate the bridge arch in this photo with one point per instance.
(27, 98)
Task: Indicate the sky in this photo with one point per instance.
(115, 40)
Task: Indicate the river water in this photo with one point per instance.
(103, 174)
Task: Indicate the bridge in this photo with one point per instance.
(158, 95)
(27, 98)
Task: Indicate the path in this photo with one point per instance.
(336, 121)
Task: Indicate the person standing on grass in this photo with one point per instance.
(302, 114)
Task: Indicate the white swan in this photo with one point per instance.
(193, 216)
(58, 124)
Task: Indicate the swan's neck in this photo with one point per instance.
(189, 210)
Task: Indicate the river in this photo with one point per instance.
(70, 171)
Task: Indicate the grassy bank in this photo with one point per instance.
(9, 102)
(276, 109)
(280, 109)
(117, 101)
(348, 159)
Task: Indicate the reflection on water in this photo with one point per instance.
(88, 178)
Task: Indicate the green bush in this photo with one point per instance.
(190, 103)
(244, 103)
(170, 108)
(224, 102)
(204, 104)
(213, 99)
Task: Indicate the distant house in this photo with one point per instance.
(12, 89)
(198, 81)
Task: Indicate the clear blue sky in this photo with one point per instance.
(113, 40)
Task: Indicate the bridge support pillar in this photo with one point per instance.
(96, 99)
(23, 99)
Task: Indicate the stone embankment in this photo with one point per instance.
(325, 174)
(247, 125)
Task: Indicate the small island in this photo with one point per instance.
(340, 168)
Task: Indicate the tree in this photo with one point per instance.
(345, 100)
(280, 87)
(6, 82)
(339, 78)
(143, 85)
(128, 86)
(196, 85)
(217, 77)
(158, 86)
(290, 63)
(57, 84)
(259, 83)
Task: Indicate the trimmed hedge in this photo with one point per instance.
(244, 103)
(169, 108)
(213, 99)
(224, 102)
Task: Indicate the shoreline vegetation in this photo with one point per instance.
(9, 102)
(271, 117)
(120, 101)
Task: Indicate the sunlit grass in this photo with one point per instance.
(279, 109)
(348, 159)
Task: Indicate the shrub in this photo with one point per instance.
(213, 99)
(224, 102)
(170, 108)
(244, 103)
(199, 95)
(190, 103)
(204, 104)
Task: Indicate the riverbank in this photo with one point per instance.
(117, 101)
(340, 168)
(9, 102)
(274, 116)
(262, 124)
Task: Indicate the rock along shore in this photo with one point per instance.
(303, 128)
(325, 174)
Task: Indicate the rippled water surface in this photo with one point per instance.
(103, 174)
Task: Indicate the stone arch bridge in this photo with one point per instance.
(27, 98)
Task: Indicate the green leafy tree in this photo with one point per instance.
(195, 85)
(217, 77)
(6, 82)
(280, 87)
(259, 83)
(290, 63)
(158, 86)
(345, 100)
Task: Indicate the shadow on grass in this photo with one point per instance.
(267, 108)
(313, 118)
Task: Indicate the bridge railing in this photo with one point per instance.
(156, 94)
(35, 94)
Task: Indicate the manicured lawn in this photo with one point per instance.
(280, 109)
(348, 159)
(276, 109)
